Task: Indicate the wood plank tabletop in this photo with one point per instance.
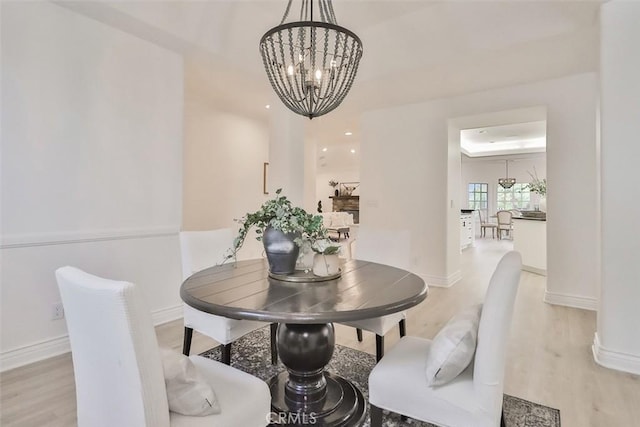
(244, 290)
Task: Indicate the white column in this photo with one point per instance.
(310, 172)
(617, 340)
(286, 153)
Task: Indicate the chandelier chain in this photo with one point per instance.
(332, 15)
(327, 13)
(286, 12)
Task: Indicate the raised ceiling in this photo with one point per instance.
(515, 138)
(413, 50)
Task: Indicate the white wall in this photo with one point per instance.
(91, 168)
(286, 153)
(617, 342)
(407, 184)
(404, 184)
(224, 154)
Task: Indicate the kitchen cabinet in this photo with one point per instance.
(467, 230)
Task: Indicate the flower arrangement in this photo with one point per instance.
(333, 183)
(326, 261)
(537, 185)
(280, 214)
(325, 246)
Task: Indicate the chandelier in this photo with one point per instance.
(311, 64)
(506, 182)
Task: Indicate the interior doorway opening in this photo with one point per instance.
(503, 169)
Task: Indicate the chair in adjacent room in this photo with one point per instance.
(200, 250)
(119, 373)
(390, 247)
(485, 224)
(400, 381)
(505, 223)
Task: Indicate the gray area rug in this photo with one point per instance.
(252, 354)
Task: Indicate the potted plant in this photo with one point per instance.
(282, 228)
(539, 186)
(325, 261)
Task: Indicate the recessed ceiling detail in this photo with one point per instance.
(514, 138)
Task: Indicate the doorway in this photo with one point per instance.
(503, 168)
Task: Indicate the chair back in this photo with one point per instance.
(480, 216)
(390, 247)
(504, 218)
(203, 249)
(493, 332)
(117, 366)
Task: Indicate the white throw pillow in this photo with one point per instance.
(453, 347)
(188, 393)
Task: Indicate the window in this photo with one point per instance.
(478, 197)
(516, 197)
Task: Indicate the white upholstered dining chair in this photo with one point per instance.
(505, 223)
(118, 368)
(390, 247)
(486, 224)
(398, 383)
(200, 250)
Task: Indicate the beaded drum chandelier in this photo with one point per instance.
(311, 64)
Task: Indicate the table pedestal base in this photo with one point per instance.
(344, 404)
(305, 394)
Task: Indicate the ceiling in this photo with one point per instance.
(514, 138)
(413, 50)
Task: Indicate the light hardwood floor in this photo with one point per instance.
(549, 356)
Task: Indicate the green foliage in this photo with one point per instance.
(281, 215)
(325, 246)
(537, 185)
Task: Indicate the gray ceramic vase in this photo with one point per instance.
(282, 251)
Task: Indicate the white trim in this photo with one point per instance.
(34, 352)
(614, 360)
(535, 270)
(61, 238)
(440, 281)
(46, 349)
(165, 315)
(575, 301)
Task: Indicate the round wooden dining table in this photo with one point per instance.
(305, 309)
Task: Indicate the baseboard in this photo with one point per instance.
(165, 315)
(615, 360)
(441, 281)
(575, 301)
(36, 352)
(534, 270)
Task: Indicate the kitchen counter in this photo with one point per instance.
(529, 218)
(530, 239)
